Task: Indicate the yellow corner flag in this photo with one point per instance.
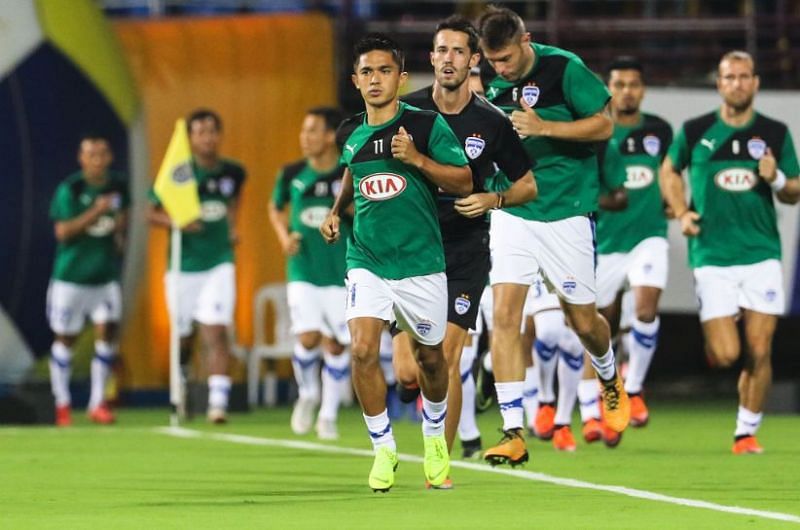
(175, 184)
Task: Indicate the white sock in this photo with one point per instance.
(570, 370)
(747, 422)
(604, 366)
(550, 327)
(530, 393)
(380, 430)
(467, 423)
(334, 373)
(306, 371)
(487, 362)
(589, 397)
(642, 343)
(433, 415)
(386, 353)
(60, 370)
(219, 387)
(102, 363)
(509, 397)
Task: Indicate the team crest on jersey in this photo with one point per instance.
(382, 186)
(182, 174)
(569, 285)
(652, 144)
(424, 327)
(226, 186)
(473, 146)
(530, 93)
(736, 179)
(462, 304)
(756, 147)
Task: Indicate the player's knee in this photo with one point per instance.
(310, 340)
(584, 325)
(364, 352)
(505, 320)
(406, 375)
(759, 352)
(724, 355)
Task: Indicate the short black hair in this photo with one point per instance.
(378, 41)
(624, 62)
(332, 116)
(202, 115)
(499, 27)
(462, 24)
(93, 136)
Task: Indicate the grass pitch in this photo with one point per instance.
(133, 475)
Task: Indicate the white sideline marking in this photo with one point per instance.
(181, 432)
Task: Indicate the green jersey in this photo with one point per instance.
(737, 214)
(559, 87)
(396, 230)
(310, 195)
(631, 159)
(90, 258)
(218, 188)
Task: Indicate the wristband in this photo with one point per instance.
(779, 183)
(501, 199)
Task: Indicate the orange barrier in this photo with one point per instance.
(260, 74)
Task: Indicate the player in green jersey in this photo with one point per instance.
(631, 224)
(396, 157)
(89, 210)
(207, 278)
(303, 195)
(558, 106)
(736, 159)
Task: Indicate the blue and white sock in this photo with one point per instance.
(380, 430)
(509, 397)
(335, 373)
(642, 343)
(467, 423)
(219, 387)
(433, 415)
(103, 361)
(60, 370)
(589, 398)
(306, 363)
(530, 393)
(747, 422)
(604, 366)
(570, 370)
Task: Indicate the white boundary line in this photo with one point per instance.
(181, 432)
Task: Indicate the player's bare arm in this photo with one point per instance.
(672, 189)
(66, 230)
(330, 227)
(290, 241)
(787, 189)
(614, 201)
(523, 190)
(592, 129)
(452, 179)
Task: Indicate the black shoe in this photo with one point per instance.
(407, 394)
(471, 448)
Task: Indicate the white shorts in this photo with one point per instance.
(68, 305)
(563, 250)
(419, 303)
(207, 297)
(539, 299)
(646, 265)
(721, 291)
(315, 308)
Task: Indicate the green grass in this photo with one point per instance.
(130, 476)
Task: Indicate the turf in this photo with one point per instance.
(131, 476)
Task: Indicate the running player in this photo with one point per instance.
(89, 211)
(396, 157)
(489, 142)
(555, 232)
(207, 278)
(736, 159)
(632, 231)
(303, 195)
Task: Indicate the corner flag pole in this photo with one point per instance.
(176, 394)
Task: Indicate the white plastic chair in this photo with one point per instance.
(282, 346)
